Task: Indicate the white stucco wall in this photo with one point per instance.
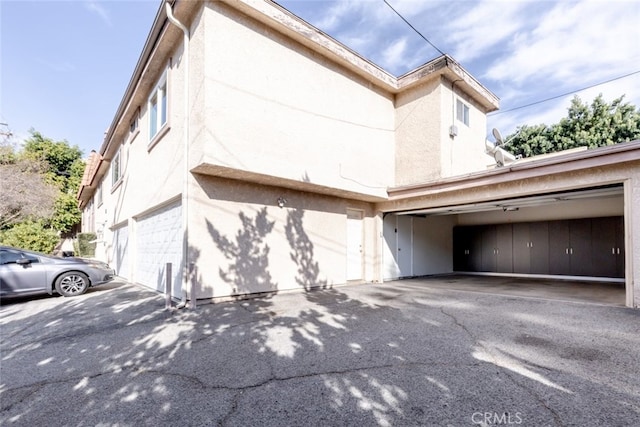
(277, 108)
(242, 242)
(464, 153)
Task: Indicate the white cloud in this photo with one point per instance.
(395, 52)
(95, 7)
(484, 26)
(572, 41)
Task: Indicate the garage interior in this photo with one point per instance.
(565, 245)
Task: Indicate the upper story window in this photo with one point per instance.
(116, 171)
(99, 195)
(462, 112)
(158, 107)
(134, 127)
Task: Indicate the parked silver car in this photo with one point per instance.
(25, 272)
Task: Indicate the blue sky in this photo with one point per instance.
(65, 64)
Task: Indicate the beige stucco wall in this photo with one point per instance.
(274, 107)
(241, 242)
(151, 169)
(424, 149)
(464, 153)
(418, 134)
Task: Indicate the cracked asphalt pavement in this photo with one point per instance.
(392, 354)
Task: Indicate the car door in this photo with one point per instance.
(21, 273)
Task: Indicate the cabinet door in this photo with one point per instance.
(521, 250)
(559, 260)
(467, 247)
(489, 247)
(475, 248)
(620, 247)
(580, 247)
(604, 247)
(504, 251)
(539, 247)
(461, 247)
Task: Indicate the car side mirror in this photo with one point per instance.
(23, 261)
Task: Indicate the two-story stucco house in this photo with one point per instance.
(253, 153)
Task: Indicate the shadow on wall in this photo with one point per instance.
(248, 255)
(302, 252)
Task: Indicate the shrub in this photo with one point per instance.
(30, 235)
(85, 245)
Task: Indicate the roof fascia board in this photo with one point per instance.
(604, 156)
(159, 24)
(275, 16)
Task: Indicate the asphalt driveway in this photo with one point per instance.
(394, 354)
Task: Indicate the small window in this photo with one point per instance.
(158, 107)
(133, 126)
(462, 112)
(116, 173)
(99, 195)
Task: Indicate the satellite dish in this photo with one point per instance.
(497, 136)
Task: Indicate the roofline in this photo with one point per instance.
(602, 156)
(275, 16)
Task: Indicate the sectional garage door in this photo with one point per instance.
(120, 251)
(159, 241)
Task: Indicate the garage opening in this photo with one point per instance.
(571, 236)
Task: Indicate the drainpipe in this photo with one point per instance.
(186, 270)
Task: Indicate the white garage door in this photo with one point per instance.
(120, 251)
(159, 241)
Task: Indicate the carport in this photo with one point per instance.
(571, 217)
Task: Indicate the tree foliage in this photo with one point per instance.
(32, 235)
(25, 191)
(595, 125)
(38, 195)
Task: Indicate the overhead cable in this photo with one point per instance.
(564, 94)
(413, 28)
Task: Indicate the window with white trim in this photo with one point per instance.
(116, 172)
(158, 107)
(99, 195)
(462, 112)
(133, 126)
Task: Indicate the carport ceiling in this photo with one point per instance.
(514, 204)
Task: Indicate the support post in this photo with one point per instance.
(167, 286)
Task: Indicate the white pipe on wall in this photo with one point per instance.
(186, 272)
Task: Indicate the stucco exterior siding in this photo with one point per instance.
(242, 242)
(276, 108)
(424, 148)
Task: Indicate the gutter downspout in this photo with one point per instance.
(186, 273)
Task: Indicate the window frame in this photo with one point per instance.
(134, 126)
(462, 112)
(158, 109)
(116, 166)
(99, 195)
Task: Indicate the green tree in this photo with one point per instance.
(595, 125)
(25, 191)
(38, 187)
(65, 169)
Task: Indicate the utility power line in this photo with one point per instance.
(521, 106)
(564, 94)
(413, 28)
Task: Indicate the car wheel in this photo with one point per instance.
(72, 284)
